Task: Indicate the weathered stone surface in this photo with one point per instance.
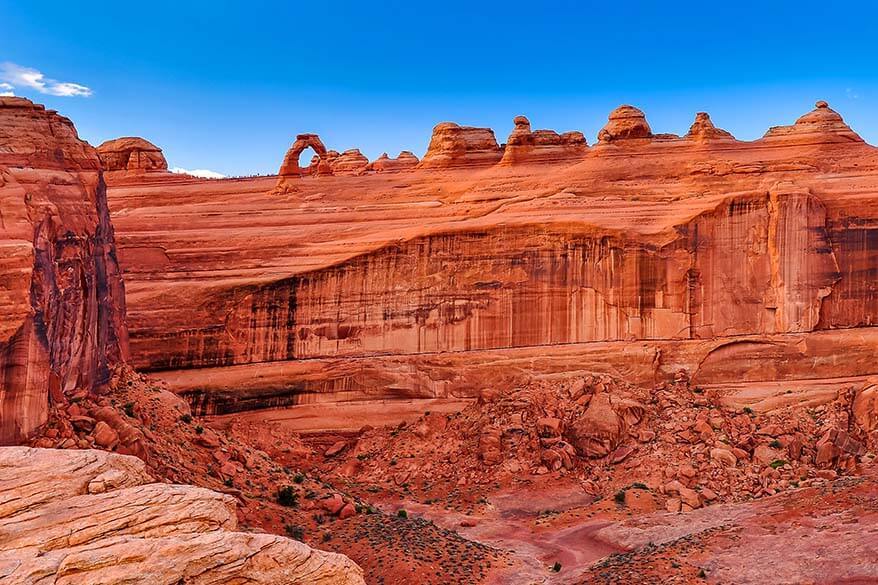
(384, 164)
(624, 123)
(350, 162)
(702, 129)
(62, 322)
(92, 517)
(454, 146)
(526, 146)
(131, 154)
(735, 261)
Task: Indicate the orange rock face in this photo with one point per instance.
(453, 145)
(62, 325)
(641, 256)
(131, 154)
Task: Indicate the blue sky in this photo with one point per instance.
(227, 86)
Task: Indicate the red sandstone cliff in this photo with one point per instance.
(732, 260)
(62, 327)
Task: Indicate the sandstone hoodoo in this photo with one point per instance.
(823, 124)
(350, 162)
(384, 164)
(131, 155)
(453, 145)
(702, 129)
(625, 123)
(62, 327)
(524, 145)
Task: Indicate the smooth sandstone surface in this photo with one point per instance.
(62, 301)
(94, 517)
(646, 253)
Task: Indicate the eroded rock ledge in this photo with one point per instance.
(86, 517)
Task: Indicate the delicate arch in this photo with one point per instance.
(290, 166)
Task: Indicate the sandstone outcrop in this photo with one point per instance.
(406, 160)
(453, 146)
(94, 517)
(822, 124)
(62, 327)
(735, 261)
(131, 155)
(350, 162)
(625, 123)
(289, 168)
(524, 145)
(703, 129)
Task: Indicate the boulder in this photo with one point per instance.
(84, 517)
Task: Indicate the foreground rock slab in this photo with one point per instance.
(91, 517)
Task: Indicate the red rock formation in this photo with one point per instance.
(290, 166)
(624, 123)
(62, 326)
(823, 124)
(350, 162)
(525, 146)
(702, 253)
(384, 164)
(132, 155)
(455, 146)
(702, 129)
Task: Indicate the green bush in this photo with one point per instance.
(402, 513)
(777, 463)
(287, 496)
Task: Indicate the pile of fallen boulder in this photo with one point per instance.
(676, 440)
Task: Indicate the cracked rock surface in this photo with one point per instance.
(92, 517)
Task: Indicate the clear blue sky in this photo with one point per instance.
(226, 86)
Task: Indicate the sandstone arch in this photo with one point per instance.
(290, 166)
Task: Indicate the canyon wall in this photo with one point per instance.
(62, 327)
(685, 244)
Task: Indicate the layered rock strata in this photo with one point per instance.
(525, 145)
(453, 145)
(131, 155)
(703, 253)
(62, 326)
(85, 517)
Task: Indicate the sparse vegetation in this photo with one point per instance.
(620, 497)
(186, 418)
(402, 513)
(777, 463)
(293, 531)
(556, 568)
(287, 496)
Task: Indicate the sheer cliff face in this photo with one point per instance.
(62, 325)
(644, 239)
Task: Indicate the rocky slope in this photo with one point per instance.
(94, 517)
(639, 256)
(62, 322)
